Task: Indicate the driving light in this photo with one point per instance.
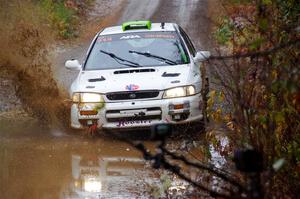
(179, 92)
(87, 97)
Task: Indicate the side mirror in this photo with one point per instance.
(73, 64)
(201, 56)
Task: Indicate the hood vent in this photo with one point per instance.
(97, 79)
(165, 74)
(146, 70)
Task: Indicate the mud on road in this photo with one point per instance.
(41, 162)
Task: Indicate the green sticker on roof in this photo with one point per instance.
(132, 25)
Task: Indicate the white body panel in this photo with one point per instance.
(145, 80)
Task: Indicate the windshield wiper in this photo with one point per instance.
(118, 59)
(168, 61)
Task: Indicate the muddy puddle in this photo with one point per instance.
(67, 165)
(58, 164)
(70, 166)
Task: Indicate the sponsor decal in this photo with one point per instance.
(132, 87)
(163, 36)
(104, 39)
(131, 37)
(175, 82)
(130, 123)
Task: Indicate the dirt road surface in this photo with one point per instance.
(38, 163)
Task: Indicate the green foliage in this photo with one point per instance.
(264, 90)
(266, 2)
(60, 17)
(239, 1)
(263, 24)
(224, 33)
(255, 45)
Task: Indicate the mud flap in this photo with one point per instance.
(92, 130)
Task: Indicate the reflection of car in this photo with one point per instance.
(124, 176)
(102, 177)
(136, 75)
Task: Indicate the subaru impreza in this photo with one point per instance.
(136, 75)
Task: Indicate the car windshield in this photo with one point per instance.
(136, 50)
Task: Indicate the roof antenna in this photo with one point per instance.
(162, 25)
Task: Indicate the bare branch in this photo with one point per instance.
(259, 53)
(211, 168)
(173, 168)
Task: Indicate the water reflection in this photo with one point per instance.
(50, 166)
(95, 176)
(71, 167)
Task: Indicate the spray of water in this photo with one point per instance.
(24, 41)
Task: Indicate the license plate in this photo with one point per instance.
(132, 123)
(133, 111)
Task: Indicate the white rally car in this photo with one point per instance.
(137, 75)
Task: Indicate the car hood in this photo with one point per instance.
(130, 79)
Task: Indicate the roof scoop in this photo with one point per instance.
(133, 25)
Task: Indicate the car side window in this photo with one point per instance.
(188, 41)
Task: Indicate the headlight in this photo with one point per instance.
(179, 92)
(90, 97)
(87, 97)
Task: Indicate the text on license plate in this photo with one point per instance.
(133, 122)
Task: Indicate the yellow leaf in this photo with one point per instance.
(230, 125)
(212, 94)
(210, 102)
(227, 118)
(221, 97)
(274, 74)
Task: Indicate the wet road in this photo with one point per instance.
(70, 166)
(40, 163)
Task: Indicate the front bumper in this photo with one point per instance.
(139, 114)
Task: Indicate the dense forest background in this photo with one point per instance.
(258, 68)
